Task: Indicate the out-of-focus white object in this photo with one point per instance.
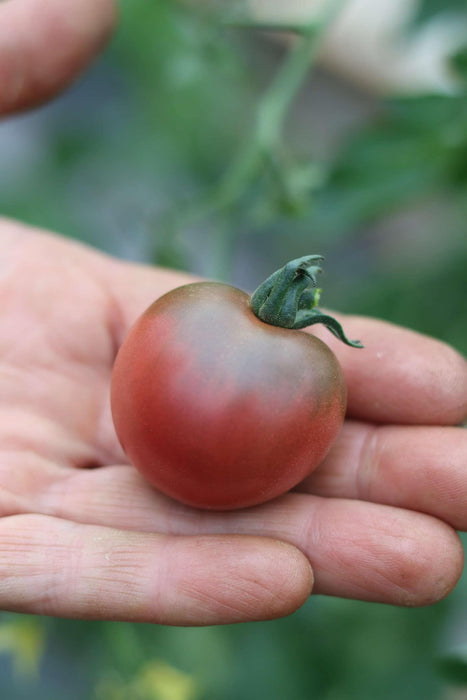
(369, 43)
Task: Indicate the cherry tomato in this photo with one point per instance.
(217, 408)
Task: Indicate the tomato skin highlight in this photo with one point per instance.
(216, 408)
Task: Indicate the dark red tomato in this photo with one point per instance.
(217, 408)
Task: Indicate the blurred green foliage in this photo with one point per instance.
(329, 650)
(134, 160)
(429, 9)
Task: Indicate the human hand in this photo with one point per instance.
(44, 45)
(83, 535)
(100, 543)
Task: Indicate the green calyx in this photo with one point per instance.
(289, 297)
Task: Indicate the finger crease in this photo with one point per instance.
(367, 463)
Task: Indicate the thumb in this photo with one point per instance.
(45, 45)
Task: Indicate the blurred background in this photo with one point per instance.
(226, 138)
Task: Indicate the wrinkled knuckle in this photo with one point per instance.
(368, 463)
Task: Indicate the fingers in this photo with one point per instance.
(415, 467)
(356, 549)
(400, 376)
(360, 550)
(45, 45)
(53, 567)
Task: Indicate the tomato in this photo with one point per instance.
(217, 408)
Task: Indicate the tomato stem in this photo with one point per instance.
(288, 298)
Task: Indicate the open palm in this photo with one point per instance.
(81, 533)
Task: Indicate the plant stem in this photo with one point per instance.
(272, 109)
(288, 298)
(268, 126)
(275, 103)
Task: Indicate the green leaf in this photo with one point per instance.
(428, 9)
(453, 666)
(459, 63)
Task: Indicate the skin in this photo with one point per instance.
(376, 520)
(218, 409)
(46, 44)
